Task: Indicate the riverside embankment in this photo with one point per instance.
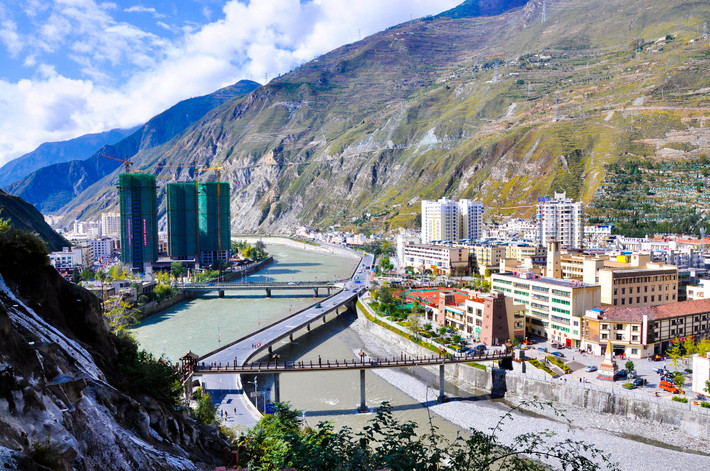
(617, 433)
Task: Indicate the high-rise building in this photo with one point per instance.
(448, 220)
(139, 219)
(199, 222)
(111, 224)
(183, 230)
(471, 219)
(560, 219)
(214, 222)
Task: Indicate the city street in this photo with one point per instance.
(579, 361)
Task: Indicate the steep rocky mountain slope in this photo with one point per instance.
(501, 108)
(50, 153)
(61, 400)
(53, 186)
(23, 215)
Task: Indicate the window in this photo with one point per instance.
(615, 302)
(635, 328)
(645, 299)
(605, 326)
(619, 336)
(653, 298)
(645, 289)
(638, 299)
(605, 336)
(634, 351)
(634, 338)
(623, 290)
(623, 301)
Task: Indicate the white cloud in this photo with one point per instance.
(9, 36)
(142, 9)
(129, 74)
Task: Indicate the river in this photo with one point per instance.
(205, 323)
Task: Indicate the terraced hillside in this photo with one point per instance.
(502, 109)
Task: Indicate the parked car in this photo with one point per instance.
(480, 348)
(668, 386)
(640, 382)
(558, 354)
(590, 368)
(621, 374)
(317, 306)
(542, 349)
(660, 371)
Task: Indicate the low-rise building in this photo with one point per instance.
(439, 259)
(70, 258)
(699, 291)
(553, 307)
(494, 318)
(653, 285)
(642, 331)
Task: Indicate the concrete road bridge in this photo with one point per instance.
(242, 350)
(221, 288)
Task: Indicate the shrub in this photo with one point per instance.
(145, 373)
(556, 361)
(705, 404)
(205, 411)
(537, 364)
(22, 255)
(684, 400)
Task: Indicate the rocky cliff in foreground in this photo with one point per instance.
(61, 400)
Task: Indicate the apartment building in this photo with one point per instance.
(520, 252)
(447, 220)
(553, 307)
(488, 257)
(111, 224)
(656, 284)
(439, 259)
(69, 258)
(699, 291)
(642, 331)
(560, 219)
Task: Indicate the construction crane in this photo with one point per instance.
(217, 170)
(126, 162)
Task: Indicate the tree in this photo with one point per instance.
(178, 270)
(630, 367)
(280, 441)
(707, 386)
(205, 411)
(75, 275)
(675, 353)
(679, 380)
(87, 274)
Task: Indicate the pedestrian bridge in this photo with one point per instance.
(221, 288)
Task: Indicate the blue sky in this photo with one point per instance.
(71, 67)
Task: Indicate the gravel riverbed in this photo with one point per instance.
(633, 444)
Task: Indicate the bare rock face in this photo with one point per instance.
(61, 406)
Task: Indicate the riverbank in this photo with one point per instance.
(616, 435)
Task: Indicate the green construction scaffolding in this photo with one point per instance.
(183, 232)
(139, 219)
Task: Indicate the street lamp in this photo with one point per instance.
(256, 391)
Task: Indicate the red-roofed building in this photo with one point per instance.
(642, 331)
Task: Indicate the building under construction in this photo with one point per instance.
(139, 220)
(199, 222)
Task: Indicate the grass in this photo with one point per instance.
(557, 362)
(537, 364)
(684, 400)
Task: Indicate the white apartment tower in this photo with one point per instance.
(560, 219)
(448, 220)
(111, 224)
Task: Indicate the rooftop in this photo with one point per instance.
(664, 311)
(545, 279)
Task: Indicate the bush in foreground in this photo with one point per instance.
(281, 441)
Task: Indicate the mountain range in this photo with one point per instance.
(492, 100)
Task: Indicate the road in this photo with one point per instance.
(227, 389)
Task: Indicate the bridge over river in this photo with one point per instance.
(240, 351)
(267, 286)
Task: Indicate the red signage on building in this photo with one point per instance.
(145, 234)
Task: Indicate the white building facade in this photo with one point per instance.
(448, 220)
(560, 219)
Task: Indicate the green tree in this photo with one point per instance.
(87, 274)
(281, 441)
(75, 275)
(630, 367)
(707, 386)
(177, 270)
(679, 380)
(675, 352)
(384, 295)
(205, 411)
(22, 254)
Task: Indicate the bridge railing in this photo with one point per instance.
(330, 364)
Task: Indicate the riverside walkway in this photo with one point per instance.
(242, 350)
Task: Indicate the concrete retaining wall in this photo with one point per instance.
(694, 422)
